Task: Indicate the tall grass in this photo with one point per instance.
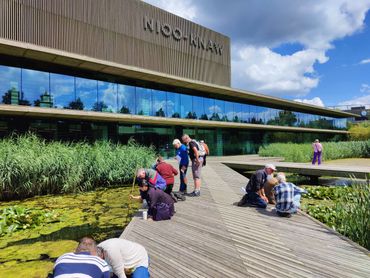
(303, 152)
(30, 166)
(353, 214)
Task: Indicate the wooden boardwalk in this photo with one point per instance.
(305, 169)
(211, 237)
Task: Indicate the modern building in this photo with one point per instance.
(116, 69)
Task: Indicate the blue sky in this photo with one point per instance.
(312, 51)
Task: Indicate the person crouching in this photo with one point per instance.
(161, 205)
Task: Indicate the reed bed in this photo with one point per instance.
(303, 152)
(30, 166)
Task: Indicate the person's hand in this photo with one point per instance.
(131, 196)
(183, 168)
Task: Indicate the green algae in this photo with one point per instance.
(102, 214)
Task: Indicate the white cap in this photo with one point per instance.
(270, 166)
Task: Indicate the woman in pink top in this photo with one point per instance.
(317, 150)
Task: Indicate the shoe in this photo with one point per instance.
(194, 194)
(173, 197)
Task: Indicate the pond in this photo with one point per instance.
(102, 214)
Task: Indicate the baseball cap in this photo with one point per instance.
(270, 166)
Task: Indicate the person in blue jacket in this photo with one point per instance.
(183, 159)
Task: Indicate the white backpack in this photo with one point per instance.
(201, 150)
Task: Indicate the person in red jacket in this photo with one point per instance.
(168, 172)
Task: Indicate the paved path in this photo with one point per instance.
(211, 237)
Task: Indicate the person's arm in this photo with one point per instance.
(196, 155)
(206, 148)
(174, 171)
(261, 190)
(116, 262)
(136, 197)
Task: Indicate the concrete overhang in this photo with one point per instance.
(30, 51)
(54, 113)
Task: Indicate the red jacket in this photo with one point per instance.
(167, 172)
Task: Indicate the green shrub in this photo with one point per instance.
(303, 152)
(30, 166)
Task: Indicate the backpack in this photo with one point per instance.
(200, 147)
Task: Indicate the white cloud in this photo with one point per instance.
(365, 61)
(359, 100)
(365, 88)
(314, 101)
(183, 8)
(256, 30)
(263, 70)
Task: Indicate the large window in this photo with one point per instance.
(159, 103)
(86, 94)
(173, 105)
(10, 84)
(107, 97)
(144, 101)
(62, 89)
(36, 88)
(186, 107)
(35, 85)
(126, 99)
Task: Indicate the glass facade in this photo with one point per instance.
(20, 86)
(37, 88)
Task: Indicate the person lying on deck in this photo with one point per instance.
(125, 257)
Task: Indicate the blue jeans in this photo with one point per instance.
(140, 272)
(254, 199)
(183, 185)
(318, 156)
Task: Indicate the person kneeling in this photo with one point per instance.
(161, 205)
(287, 196)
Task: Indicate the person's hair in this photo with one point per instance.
(86, 244)
(281, 177)
(201, 141)
(317, 140)
(139, 171)
(100, 252)
(159, 159)
(185, 136)
(176, 141)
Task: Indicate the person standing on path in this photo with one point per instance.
(168, 172)
(196, 163)
(183, 159)
(317, 151)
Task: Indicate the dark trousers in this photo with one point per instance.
(318, 156)
(169, 188)
(183, 185)
(255, 200)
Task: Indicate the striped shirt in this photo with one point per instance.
(80, 265)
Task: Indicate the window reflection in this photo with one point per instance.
(35, 88)
(107, 97)
(186, 106)
(62, 89)
(173, 105)
(219, 110)
(126, 99)
(86, 94)
(10, 85)
(159, 103)
(43, 89)
(144, 101)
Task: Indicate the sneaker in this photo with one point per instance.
(173, 196)
(194, 194)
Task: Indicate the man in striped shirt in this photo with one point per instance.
(83, 263)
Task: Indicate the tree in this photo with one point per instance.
(76, 105)
(160, 113)
(176, 115)
(204, 117)
(215, 117)
(359, 131)
(285, 118)
(99, 106)
(125, 110)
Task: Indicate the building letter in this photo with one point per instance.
(201, 43)
(177, 34)
(193, 40)
(166, 30)
(148, 24)
(210, 45)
